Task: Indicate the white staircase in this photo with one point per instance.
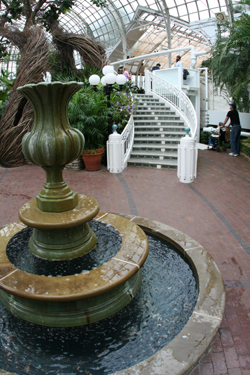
(157, 133)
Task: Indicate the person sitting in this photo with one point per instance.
(156, 67)
(178, 63)
(216, 133)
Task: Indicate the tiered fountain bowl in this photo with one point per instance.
(59, 218)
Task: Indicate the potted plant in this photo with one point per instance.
(88, 113)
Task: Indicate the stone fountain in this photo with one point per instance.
(59, 218)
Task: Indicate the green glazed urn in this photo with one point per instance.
(52, 143)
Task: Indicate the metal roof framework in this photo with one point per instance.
(137, 27)
(160, 24)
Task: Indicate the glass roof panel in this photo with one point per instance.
(182, 10)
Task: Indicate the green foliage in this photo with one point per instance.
(88, 113)
(67, 74)
(245, 146)
(122, 106)
(6, 84)
(230, 61)
(64, 75)
(54, 11)
(15, 10)
(204, 137)
(4, 46)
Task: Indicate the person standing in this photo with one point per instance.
(126, 73)
(157, 67)
(233, 115)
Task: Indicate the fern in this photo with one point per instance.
(88, 113)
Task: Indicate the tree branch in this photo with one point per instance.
(15, 36)
(28, 13)
(37, 8)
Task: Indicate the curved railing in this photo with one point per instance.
(119, 147)
(176, 98)
(128, 139)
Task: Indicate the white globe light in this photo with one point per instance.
(110, 78)
(120, 79)
(108, 69)
(94, 80)
(103, 81)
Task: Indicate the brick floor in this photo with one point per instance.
(214, 210)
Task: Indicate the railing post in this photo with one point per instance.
(187, 159)
(147, 82)
(115, 152)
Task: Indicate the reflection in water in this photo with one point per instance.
(108, 244)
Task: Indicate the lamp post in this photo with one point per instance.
(107, 81)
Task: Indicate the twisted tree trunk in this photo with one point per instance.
(91, 52)
(17, 118)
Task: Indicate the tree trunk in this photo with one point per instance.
(17, 118)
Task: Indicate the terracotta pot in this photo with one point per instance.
(92, 159)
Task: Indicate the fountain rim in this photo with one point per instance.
(61, 283)
(182, 354)
(50, 220)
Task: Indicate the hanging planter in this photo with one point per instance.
(92, 159)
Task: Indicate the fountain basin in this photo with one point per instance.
(182, 354)
(76, 299)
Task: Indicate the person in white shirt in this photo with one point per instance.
(178, 63)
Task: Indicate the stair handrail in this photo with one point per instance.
(177, 98)
(128, 139)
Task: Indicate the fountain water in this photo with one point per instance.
(59, 218)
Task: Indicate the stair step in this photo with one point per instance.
(149, 100)
(167, 122)
(169, 164)
(152, 104)
(147, 112)
(157, 133)
(143, 96)
(154, 154)
(157, 139)
(144, 147)
(156, 117)
(160, 127)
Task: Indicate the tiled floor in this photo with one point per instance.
(214, 210)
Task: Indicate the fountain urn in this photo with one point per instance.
(59, 215)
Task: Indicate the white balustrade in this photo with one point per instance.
(176, 97)
(119, 147)
(128, 139)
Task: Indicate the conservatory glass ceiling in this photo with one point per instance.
(133, 28)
